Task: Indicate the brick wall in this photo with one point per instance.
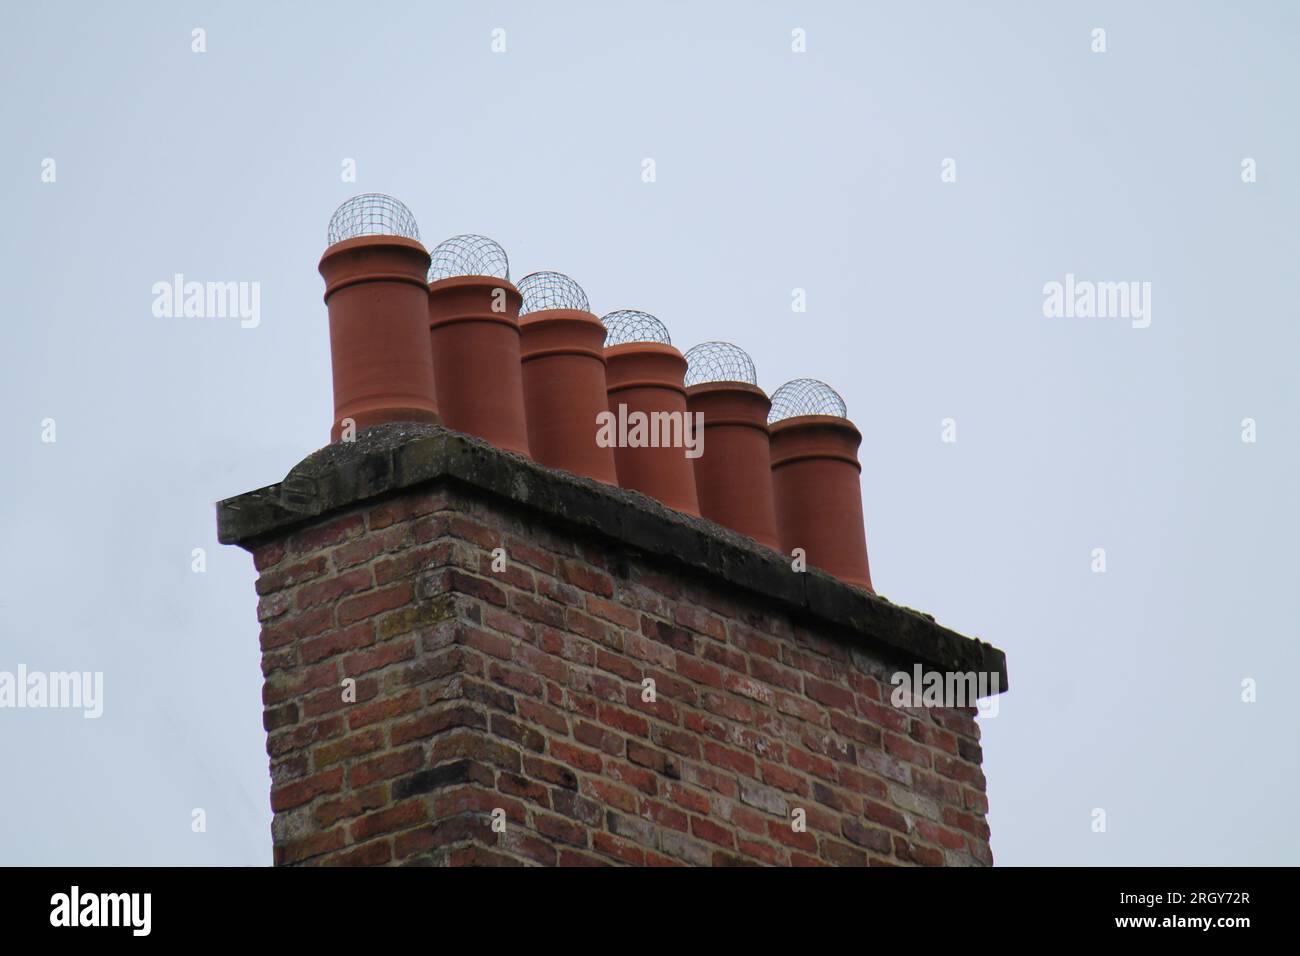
(571, 700)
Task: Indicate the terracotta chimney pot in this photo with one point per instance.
(646, 378)
(564, 391)
(816, 483)
(733, 477)
(474, 334)
(564, 376)
(378, 314)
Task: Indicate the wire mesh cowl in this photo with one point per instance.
(543, 291)
(372, 214)
(805, 396)
(711, 362)
(628, 326)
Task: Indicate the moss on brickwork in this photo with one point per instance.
(390, 459)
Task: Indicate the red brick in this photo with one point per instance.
(698, 670)
(297, 627)
(586, 578)
(376, 853)
(327, 534)
(618, 849)
(741, 763)
(575, 757)
(328, 590)
(933, 833)
(329, 812)
(699, 621)
(474, 532)
(336, 642)
(558, 828)
(538, 558)
(932, 736)
(295, 851)
(304, 791)
(385, 767)
(351, 746)
(904, 749)
(615, 613)
(292, 575)
(638, 777)
(403, 509)
(665, 815)
(365, 714)
(966, 821)
(620, 719)
(708, 830)
(516, 679)
(859, 730)
(598, 737)
(832, 695)
(376, 602)
(573, 858)
(379, 657)
(842, 854)
(813, 764)
(332, 699)
(783, 779)
(959, 770)
(609, 794)
(268, 555)
(400, 816)
(480, 588)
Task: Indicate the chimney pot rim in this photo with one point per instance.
(726, 385)
(456, 282)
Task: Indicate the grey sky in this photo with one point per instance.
(775, 171)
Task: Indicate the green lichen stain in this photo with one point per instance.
(417, 616)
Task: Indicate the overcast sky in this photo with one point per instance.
(775, 170)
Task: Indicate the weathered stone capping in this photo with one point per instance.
(517, 691)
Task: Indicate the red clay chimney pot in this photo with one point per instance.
(646, 378)
(474, 336)
(378, 314)
(564, 390)
(816, 484)
(733, 477)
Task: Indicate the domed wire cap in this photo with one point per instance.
(805, 396)
(551, 290)
(631, 325)
(372, 214)
(719, 362)
(468, 256)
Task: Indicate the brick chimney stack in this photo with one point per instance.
(475, 658)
